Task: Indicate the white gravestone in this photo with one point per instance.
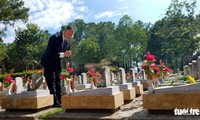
(112, 77)
(133, 79)
(83, 82)
(143, 74)
(122, 76)
(194, 69)
(132, 75)
(106, 76)
(79, 80)
(190, 69)
(123, 85)
(198, 67)
(113, 81)
(185, 69)
(84, 78)
(19, 83)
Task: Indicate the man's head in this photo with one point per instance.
(69, 32)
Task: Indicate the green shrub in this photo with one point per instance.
(14, 75)
(184, 78)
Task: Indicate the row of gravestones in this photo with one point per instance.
(193, 68)
(31, 85)
(123, 91)
(172, 97)
(113, 96)
(108, 77)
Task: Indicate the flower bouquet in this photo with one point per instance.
(91, 76)
(8, 85)
(67, 75)
(154, 72)
(165, 70)
(151, 70)
(149, 66)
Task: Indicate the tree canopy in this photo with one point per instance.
(12, 11)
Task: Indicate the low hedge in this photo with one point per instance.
(14, 75)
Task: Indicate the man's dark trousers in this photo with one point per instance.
(53, 82)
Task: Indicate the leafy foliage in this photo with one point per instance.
(175, 38)
(12, 11)
(28, 47)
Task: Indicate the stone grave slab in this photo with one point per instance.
(139, 89)
(26, 94)
(97, 92)
(82, 86)
(169, 98)
(171, 101)
(100, 98)
(128, 91)
(28, 100)
(126, 88)
(83, 83)
(2, 96)
(178, 89)
(136, 84)
(144, 83)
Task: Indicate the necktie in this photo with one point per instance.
(65, 45)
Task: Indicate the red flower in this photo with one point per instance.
(9, 79)
(157, 69)
(11, 72)
(148, 53)
(63, 77)
(153, 65)
(162, 64)
(71, 70)
(91, 73)
(168, 69)
(92, 69)
(143, 67)
(150, 57)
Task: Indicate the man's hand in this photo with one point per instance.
(67, 53)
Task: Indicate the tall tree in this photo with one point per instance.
(28, 47)
(176, 35)
(132, 41)
(79, 26)
(3, 55)
(12, 11)
(106, 39)
(88, 51)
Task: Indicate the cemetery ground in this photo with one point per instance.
(132, 110)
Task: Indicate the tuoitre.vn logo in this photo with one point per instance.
(186, 111)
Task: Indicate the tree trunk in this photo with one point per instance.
(3, 68)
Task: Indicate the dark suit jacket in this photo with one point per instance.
(50, 59)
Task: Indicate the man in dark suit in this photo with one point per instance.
(58, 47)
